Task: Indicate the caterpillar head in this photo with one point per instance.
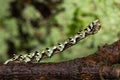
(95, 26)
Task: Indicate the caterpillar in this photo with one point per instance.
(91, 29)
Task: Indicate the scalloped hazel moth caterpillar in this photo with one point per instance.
(93, 28)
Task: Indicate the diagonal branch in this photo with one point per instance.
(94, 67)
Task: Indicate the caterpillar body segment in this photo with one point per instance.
(93, 28)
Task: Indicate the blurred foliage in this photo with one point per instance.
(30, 25)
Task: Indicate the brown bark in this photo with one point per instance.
(94, 67)
(107, 54)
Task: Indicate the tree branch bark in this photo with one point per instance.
(93, 67)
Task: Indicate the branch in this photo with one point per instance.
(94, 67)
(106, 55)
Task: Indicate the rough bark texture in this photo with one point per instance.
(71, 70)
(94, 67)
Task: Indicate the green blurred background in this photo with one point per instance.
(27, 26)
